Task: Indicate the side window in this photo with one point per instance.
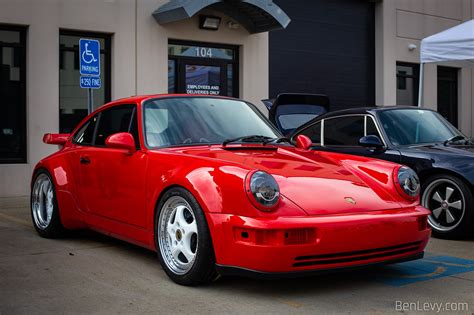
(313, 132)
(343, 130)
(85, 135)
(113, 120)
(371, 128)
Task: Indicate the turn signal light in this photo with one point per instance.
(422, 223)
(275, 237)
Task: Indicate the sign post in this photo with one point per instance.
(89, 68)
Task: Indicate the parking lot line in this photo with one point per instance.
(15, 220)
(432, 267)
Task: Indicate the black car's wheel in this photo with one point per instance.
(182, 239)
(44, 206)
(451, 203)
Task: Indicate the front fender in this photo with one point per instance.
(58, 167)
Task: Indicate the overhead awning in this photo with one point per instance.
(255, 15)
(454, 45)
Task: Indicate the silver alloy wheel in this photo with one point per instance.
(42, 201)
(447, 204)
(178, 235)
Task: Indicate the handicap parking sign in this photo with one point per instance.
(89, 57)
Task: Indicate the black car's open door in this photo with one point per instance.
(291, 110)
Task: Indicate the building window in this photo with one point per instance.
(448, 94)
(73, 99)
(407, 83)
(202, 68)
(13, 94)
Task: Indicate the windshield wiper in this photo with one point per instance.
(251, 138)
(455, 139)
(277, 140)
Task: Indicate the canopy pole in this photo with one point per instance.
(420, 85)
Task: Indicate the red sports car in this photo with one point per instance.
(209, 184)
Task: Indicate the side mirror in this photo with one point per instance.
(121, 140)
(303, 142)
(371, 142)
(56, 138)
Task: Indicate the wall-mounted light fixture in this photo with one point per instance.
(411, 47)
(209, 22)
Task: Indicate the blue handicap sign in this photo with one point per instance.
(89, 57)
(428, 268)
(89, 82)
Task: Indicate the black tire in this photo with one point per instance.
(54, 229)
(203, 268)
(463, 226)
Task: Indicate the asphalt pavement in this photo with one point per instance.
(91, 273)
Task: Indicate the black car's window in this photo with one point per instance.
(415, 126)
(313, 132)
(343, 130)
(85, 134)
(371, 128)
(291, 116)
(113, 120)
(195, 120)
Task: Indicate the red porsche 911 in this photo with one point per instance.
(213, 188)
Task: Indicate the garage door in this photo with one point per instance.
(328, 48)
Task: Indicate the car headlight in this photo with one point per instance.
(408, 183)
(263, 189)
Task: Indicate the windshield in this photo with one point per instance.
(201, 120)
(416, 126)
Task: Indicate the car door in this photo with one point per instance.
(342, 133)
(112, 181)
(291, 110)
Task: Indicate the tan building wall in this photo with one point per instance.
(399, 23)
(139, 60)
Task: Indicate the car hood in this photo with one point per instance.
(466, 150)
(320, 183)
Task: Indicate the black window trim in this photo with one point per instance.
(22, 158)
(99, 115)
(322, 121)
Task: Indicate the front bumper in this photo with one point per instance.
(289, 245)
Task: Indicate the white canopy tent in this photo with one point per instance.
(454, 46)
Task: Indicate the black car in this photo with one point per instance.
(420, 138)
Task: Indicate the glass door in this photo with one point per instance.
(195, 68)
(202, 77)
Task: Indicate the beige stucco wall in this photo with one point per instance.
(399, 23)
(139, 60)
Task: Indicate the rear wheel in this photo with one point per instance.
(182, 239)
(44, 206)
(451, 203)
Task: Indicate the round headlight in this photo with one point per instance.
(408, 182)
(264, 189)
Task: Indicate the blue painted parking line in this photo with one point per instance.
(428, 268)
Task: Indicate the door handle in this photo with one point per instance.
(84, 160)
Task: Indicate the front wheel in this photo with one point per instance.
(44, 206)
(182, 239)
(451, 203)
